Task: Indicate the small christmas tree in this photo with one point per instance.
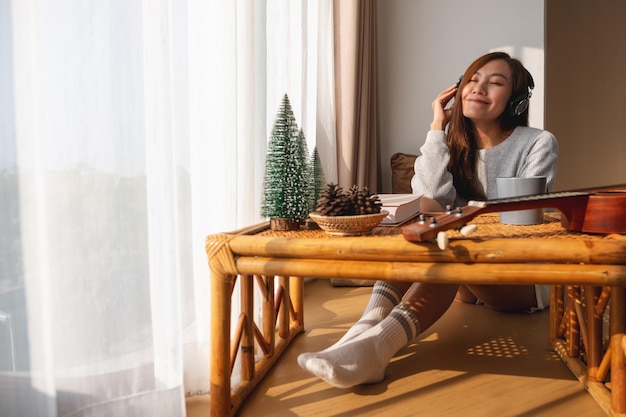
(285, 184)
(297, 179)
(317, 179)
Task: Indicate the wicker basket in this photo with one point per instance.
(349, 225)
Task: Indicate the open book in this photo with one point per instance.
(401, 208)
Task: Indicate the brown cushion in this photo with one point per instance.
(402, 172)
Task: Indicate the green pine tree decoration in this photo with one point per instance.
(297, 179)
(317, 179)
(285, 184)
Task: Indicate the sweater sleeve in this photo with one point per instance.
(432, 177)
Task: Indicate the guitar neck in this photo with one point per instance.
(556, 200)
(567, 202)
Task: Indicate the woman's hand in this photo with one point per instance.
(441, 115)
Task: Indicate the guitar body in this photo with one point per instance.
(604, 212)
(598, 210)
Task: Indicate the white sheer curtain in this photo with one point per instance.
(129, 130)
(260, 51)
(300, 63)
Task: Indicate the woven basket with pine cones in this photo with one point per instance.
(354, 212)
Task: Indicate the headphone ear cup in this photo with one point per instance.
(519, 104)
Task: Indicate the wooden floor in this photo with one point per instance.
(473, 362)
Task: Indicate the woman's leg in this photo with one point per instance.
(510, 298)
(429, 301)
(465, 295)
(364, 358)
(385, 296)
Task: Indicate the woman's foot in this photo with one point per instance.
(363, 359)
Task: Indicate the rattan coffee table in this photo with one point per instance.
(587, 273)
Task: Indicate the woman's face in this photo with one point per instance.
(488, 92)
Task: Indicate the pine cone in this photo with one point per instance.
(363, 202)
(334, 202)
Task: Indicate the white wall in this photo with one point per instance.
(425, 45)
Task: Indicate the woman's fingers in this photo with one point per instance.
(444, 98)
(446, 95)
(441, 115)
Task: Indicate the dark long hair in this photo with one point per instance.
(461, 132)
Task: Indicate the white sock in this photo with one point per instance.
(363, 359)
(383, 299)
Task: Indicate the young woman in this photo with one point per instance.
(482, 136)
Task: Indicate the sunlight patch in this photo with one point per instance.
(502, 347)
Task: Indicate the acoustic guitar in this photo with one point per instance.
(599, 210)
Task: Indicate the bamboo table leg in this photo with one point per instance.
(296, 287)
(220, 343)
(618, 364)
(556, 312)
(223, 271)
(594, 325)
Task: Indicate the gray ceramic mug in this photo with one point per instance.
(518, 187)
